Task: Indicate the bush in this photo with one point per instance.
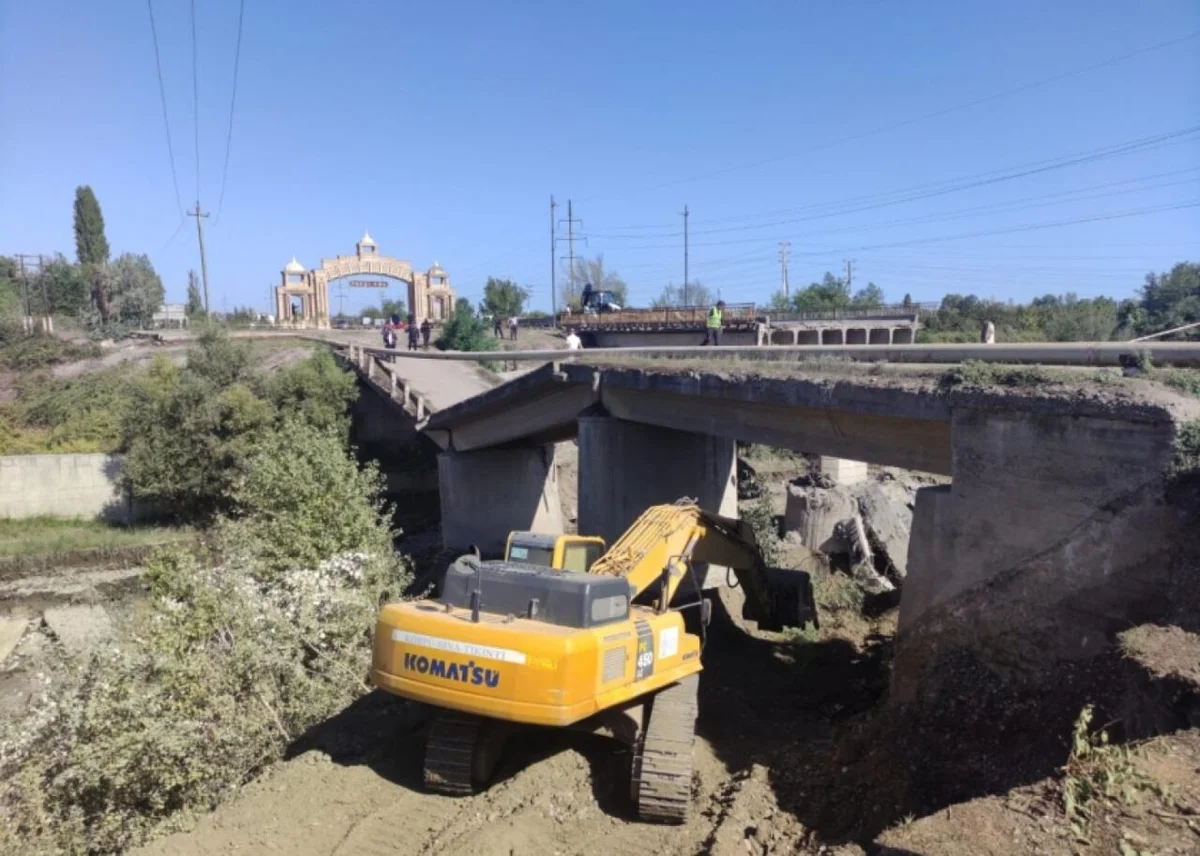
(22, 353)
(189, 432)
(186, 440)
(316, 391)
(303, 499)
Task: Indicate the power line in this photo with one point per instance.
(1012, 229)
(196, 104)
(162, 93)
(868, 202)
(927, 116)
(237, 57)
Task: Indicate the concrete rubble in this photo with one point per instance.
(868, 520)
(12, 628)
(79, 628)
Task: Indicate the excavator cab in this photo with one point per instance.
(563, 552)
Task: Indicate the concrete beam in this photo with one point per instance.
(885, 426)
(485, 495)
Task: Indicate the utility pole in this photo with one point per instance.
(553, 291)
(203, 260)
(685, 256)
(785, 250)
(571, 246)
(849, 271)
(570, 221)
(33, 265)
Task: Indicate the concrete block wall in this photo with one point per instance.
(69, 486)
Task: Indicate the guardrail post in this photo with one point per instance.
(420, 408)
(392, 384)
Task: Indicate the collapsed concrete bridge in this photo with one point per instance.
(1057, 527)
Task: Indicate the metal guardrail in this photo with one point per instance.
(1185, 354)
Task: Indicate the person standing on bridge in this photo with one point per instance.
(512, 328)
(414, 334)
(712, 327)
(426, 329)
(497, 323)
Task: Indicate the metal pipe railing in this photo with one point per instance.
(1044, 353)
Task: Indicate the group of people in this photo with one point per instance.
(498, 327)
(418, 334)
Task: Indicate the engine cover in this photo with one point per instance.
(564, 598)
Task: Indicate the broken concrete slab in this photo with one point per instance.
(843, 470)
(11, 631)
(814, 514)
(79, 628)
(888, 520)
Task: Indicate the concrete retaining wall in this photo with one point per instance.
(80, 486)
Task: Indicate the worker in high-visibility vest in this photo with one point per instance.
(712, 329)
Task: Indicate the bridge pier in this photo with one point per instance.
(489, 493)
(625, 467)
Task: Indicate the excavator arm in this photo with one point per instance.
(657, 551)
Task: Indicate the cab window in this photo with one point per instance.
(579, 557)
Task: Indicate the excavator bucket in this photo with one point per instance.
(792, 603)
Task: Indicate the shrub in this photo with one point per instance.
(317, 391)
(303, 499)
(463, 331)
(186, 440)
(189, 432)
(22, 352)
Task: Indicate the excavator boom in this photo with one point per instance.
(657, 551)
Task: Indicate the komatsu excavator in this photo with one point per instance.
(557, 634)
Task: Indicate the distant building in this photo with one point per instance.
(170, 315)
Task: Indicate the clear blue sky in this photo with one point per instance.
(443, 128)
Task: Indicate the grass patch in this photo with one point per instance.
(1186, 381)
(32, 352)
(976, 373)
(48, 536)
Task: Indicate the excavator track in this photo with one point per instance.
(450, 754)
(662, 761)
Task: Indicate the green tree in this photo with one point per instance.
(830, 293)
(698, 294)
(65, 286)
(464, 331)
(1172, 300)
(394, 306)
(871, 295)
(195, 299)
(503, 298)
(593, 271)
(135, 291)
(91, 246)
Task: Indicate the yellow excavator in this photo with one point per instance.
(561, 633)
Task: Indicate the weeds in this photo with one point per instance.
(974, 373)
(761, 518)
(1097, 771)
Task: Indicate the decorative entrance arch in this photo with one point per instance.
(429, 293)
